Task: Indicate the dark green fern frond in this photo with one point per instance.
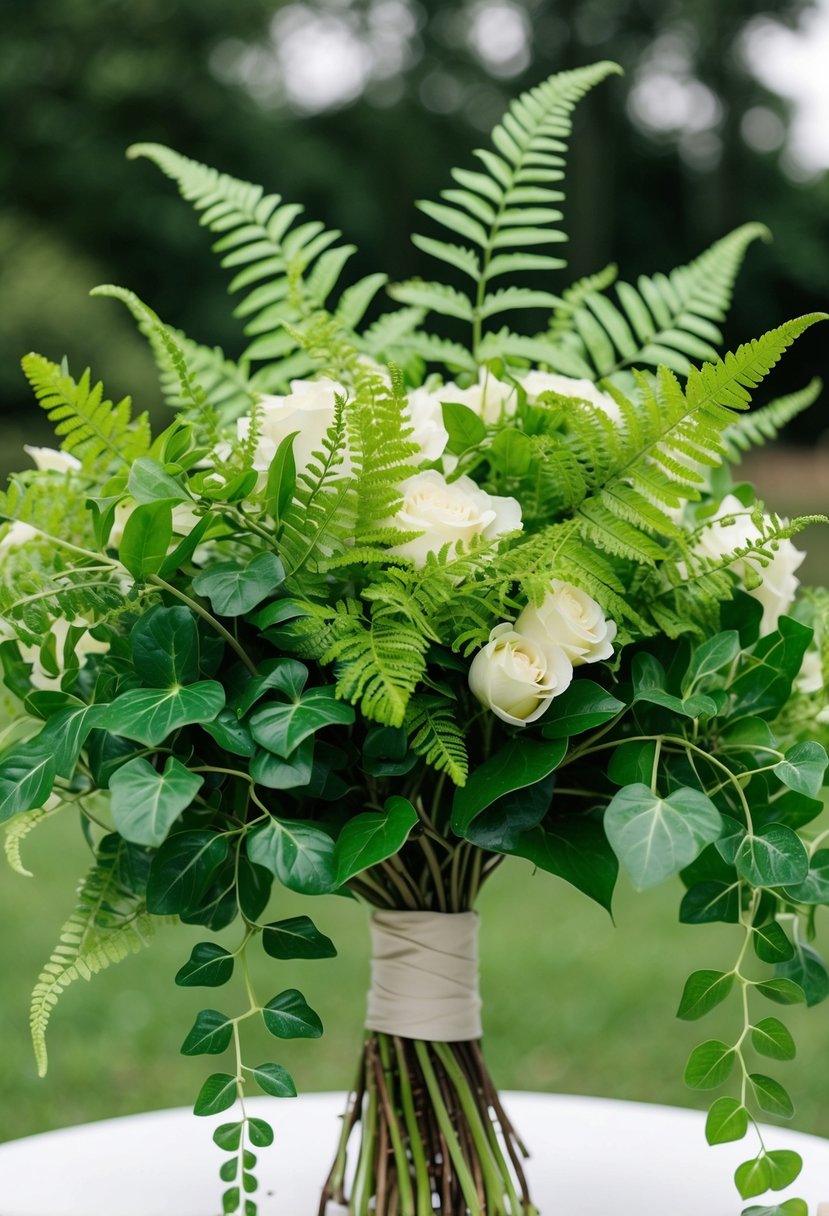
(286, 268)
(759, 426)
(435, 734)
(506, 212)
(93, 429)
(665, 320)
(109, 922)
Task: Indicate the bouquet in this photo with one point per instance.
(380, 607)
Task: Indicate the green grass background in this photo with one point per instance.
(572, 1003)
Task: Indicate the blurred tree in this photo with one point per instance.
(358, 108)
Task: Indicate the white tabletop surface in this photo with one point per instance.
(590, 1157)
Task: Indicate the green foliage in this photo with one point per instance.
(437, 736)
(764, 424)
(99, 433)
(109, 923)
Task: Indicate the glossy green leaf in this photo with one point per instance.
(803, 768)
(752, 1177)
(288, 676)
(150, 715)
(216, 1095)
(771, 1096)
(165, 647)
(260, 1133)
(27, 774)
(709, 1065)
(781, 991)
(182, 870)
(791, 1207)
(150, 482)
(280, 728)
(711, 656)
(765, 680)
(703, 991)
(299, 854)
(230, 734)
(372, 836)
(147, 536)
(235, 588)
(230, 1201)
(466, 429)
(296, 937)
(146, 803)
(520, 763)
(771, 943)
(579, 708)
(229, 1169)
(210, 1034)
(772, 1039)
(228, 1136)
(727, 1121)
(281, 480)
(773, 857)
(273, 1079)
(807, 969)
(576, 849)
(784, 1166)
(289, 1016)
(277, 774)
(656, 837)
(209, 966)
(707, 902)
(814, 889)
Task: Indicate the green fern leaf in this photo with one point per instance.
(435, 734)
(759, 426)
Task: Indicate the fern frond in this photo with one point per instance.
(94, 430)
(665, 320)
(504, 213)
(17, 831)
(109, 922)
(390, 333)
(759, 426)
(435, 735)
(287, 268)
(379, 663)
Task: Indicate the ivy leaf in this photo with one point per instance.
(372, 837)
(581, 707)
(707, 902)
(150, 715)
(711, 657)
(709, 1065)
(281, 728)
(703, 991)
(520, 763)
(288, 676)
(771, 944)
(772, 1039)
(230, 734)
(289, 1016)
(277, 774)
(803, 767)
(146, 803)
(752, 1177)
(274, 1080)
(781, 991)
(235, 588)
(771, 1096)
(296, 937)
(765, 680)
(165, 647)
(815, 886)
(727, 1121)
(656, 837)
(27, 774)
(147, 536)
(576, 849)
(150, 482)
(182, 870)
(807, 969)
(465, 428)
(210, 1034)
(784, 1167)
(281, 480)
(209, 966)
(299, 854)
(216, 1095)
(774, 857)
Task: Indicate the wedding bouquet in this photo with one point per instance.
(379, 608)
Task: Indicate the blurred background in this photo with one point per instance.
(356, 109)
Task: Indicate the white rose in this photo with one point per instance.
(50, 460)
(308, 410)
(490, 398)
(18, 534)
(570, 619)
(449, 512)
(84, 645)
(779, 585)
(426, 416)
(810, 676)
(516, 679)
(536, 383)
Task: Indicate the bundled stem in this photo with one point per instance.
(434, 1136)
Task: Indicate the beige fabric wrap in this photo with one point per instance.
(424, 976)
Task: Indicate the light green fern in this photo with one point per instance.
(109, 923)
(17, 831)
(96, 431)
(437, 736)
(504, 215)
(759, 426)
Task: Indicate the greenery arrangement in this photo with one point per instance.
(331, 628)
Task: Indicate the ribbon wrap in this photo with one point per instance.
(424, 976)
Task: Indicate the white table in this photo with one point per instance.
(590, 1157)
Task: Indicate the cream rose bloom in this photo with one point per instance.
(490, 398)
(810, 677)
(18, 534)
(779, 584)
(426, 416)
(536, 383)
(571, 620)
(449, 512)
(515, 678)
(308, 410)
(50, 460)
(83, 646)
